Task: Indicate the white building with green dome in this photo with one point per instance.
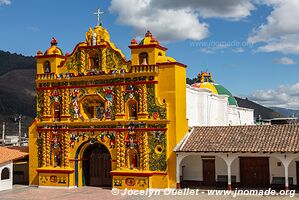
(211, 104)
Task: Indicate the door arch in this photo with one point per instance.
(97, 166)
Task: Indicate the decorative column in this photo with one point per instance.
(47, 103)
(103, 60)
(142, 91)
(144, 156)
(117, 138)
(120, 107)
(65, 149)
(44, 148)
(120, 150)
(48, 150)
(65, 102)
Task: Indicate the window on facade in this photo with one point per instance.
(94, 107)
(95, 61)
(5, 174)
(47, 67)
(57, 112)
(132, 109)
(132, 158)
(143, 58)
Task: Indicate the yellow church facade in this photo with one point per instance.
(103, 120)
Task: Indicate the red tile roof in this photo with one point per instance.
(265, 138)
(7, 154)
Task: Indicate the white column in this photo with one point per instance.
(286, 159)
(229, 159)
(286, 175)
(179, 158)
(229, 176)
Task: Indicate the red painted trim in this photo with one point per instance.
(172, 63)
(101, 129)
(142, 114)
(137, 173)
(55, 171)
(98, 85)
(178, 185)
(64, 116)
(148, 46)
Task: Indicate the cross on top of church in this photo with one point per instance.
(99, 13)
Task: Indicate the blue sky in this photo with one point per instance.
(249, 47)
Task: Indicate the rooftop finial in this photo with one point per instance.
(53, 41)
(99, 13)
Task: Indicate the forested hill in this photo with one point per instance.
(17, 90)
(11, 61)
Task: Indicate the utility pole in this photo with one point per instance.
(3, 134)
(20, 129)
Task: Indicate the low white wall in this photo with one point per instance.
(6, 184)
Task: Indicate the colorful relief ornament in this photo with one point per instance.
(75, 110)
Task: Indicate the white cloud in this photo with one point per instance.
(229, 9)
(174, 20)
(280, 33)
(285, 61)
(285, 96)
(5, 2)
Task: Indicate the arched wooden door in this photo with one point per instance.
(97, 166)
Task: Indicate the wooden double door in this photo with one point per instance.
(97, 166)
(254, 172)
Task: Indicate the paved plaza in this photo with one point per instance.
(93, 193)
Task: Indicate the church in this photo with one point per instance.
(103, 120)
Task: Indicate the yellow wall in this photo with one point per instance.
(33, 157)
(172, 88)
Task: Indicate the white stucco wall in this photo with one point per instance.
(6, 184)
(192, 169)
(207, 109)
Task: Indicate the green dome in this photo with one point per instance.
(222, 90)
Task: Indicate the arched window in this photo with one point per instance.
(5, 174)
(47, 67)
(143, 58)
